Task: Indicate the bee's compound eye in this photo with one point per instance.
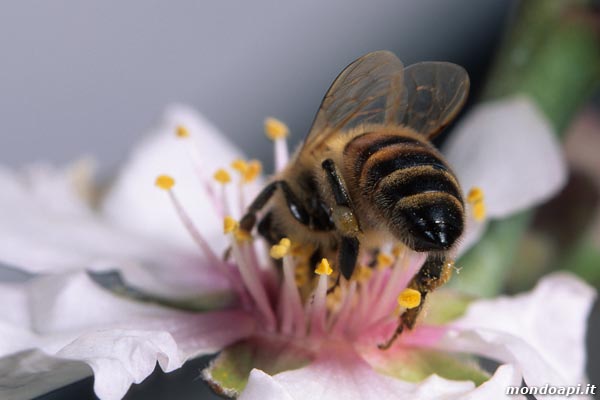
(434, 226)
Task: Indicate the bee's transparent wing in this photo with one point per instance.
(377, 89)
(360, 94)
(436, 92)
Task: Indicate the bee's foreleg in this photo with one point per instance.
(296, 208)
(249, 219)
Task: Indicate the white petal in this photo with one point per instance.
(136, 204)
(68, 317)
(495, 388)
(473, 231)
(48, 228)
(542, 332)
(344, 375)
(508, 149)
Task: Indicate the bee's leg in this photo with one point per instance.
(338, 188)
(249, 219)
(434, 273)
(266, 229)
(348, 254)
(294, 205)
(344, 219)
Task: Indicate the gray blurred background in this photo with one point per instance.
(82, 77)
(91, 77)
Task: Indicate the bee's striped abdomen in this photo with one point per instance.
(410, 184)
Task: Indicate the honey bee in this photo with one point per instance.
(368, 172)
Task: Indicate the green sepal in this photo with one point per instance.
(445, 305)
(228, 373)
(416, 365)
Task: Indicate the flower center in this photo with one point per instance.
(288, 295)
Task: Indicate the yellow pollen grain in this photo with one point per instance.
(323, 268)
(384, 260)
(240, 166)
(222, 176)
(285, 242)
(252, 171)
(397, 250)
(476, 199)
(279, 251)
(275, 129)
(363, 273)
(475, 195)
(182, 132)
(164, 182)
(229, 225)
(479, 211)
(409, 298)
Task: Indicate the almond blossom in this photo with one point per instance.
(114, 283)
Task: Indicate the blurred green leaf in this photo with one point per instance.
(552, 54)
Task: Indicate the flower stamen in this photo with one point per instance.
(229, 225)
(182, 132)
(476, 199)
(253, 170)
(280, 250)
(166, 182)
(222, 176)
(324, 268)
(277, 131)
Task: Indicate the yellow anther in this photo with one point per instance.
(240, 166)
(397, 250)
(475, 195)
(165, 182)
(285, 242)
(409, 298)
(323, 268)
(252, 171)
(479, 211)
(475, 198)
(384, 260)
(222, 176)
(275, 129)
(279, 251)
(241, 235)
(229, 225)
(182, 132)
(363, 273)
